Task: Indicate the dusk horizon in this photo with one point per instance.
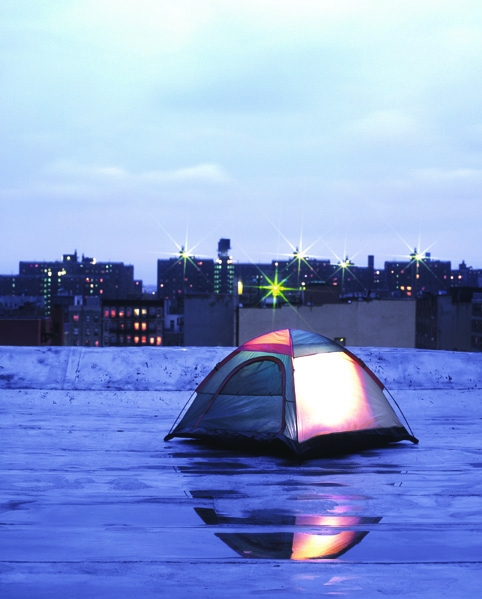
(349, 127)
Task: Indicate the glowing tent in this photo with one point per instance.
(294, 390)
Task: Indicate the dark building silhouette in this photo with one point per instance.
(72, 277)
(476, 325)
(73, 292)
(183, 275)
(449, 321)
(418, 275)
(136, 322)
(224, 269)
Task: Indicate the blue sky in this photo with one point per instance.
(346, 127)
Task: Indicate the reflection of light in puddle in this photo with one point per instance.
(307, 546)
(290, 536)
(309, 520)
(311, 546)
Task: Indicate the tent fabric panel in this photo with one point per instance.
(196, 409)
(274, 342)
(291, 428)
(306, 343)
(261, 376)
(221, 371)
(350, 441)
(334, 393)
(215, 379)
(257, 415)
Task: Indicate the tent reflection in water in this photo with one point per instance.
(294, 391)
(304, 537)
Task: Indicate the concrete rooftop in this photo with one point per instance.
(94, 503)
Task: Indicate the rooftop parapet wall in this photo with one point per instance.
(106, 369)
(182, 369)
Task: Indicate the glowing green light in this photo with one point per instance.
(275, 288)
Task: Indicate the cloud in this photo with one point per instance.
(68, 180)
(201, 173)
(386, 127)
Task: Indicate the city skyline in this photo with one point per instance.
(295, 254)
(350, 126)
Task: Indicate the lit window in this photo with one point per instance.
(144, 326)
(152, 340)
(106, 312)
(144, 339)
(113, 312)
(136, 339)
(158, 340)
(121, 312)
(144, 311)
(137, 312)
(136, 326)
(76, 317)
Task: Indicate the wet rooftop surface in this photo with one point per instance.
(93, 503)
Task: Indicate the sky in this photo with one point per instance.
(339, 127)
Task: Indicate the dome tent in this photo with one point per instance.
(292, 390)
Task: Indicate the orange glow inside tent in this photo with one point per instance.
(351, 410)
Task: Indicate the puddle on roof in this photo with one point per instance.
(297, 537)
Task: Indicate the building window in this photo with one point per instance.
(76, 317)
